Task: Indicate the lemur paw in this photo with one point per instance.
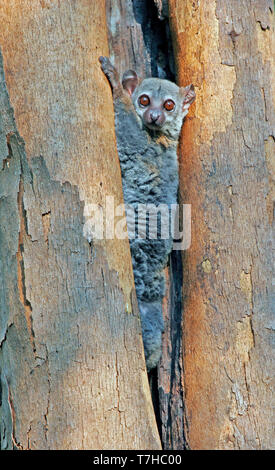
(109, 70)
(105, 63)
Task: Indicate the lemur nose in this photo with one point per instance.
(154, 115)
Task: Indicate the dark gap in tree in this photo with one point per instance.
(153, 382)
(158, 43)
(157, 39)
(176, 280)
(140, 38)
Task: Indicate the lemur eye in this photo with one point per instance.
(169, 105)
(144, 100)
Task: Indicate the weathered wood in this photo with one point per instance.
(72, 367)
(170, 374)
(125, 37)
(138, 39)
(227, 174)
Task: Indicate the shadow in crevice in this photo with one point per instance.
(157, 39)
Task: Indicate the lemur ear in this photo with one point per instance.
(189, 96)
(130, 81)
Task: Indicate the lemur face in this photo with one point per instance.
(160, 104)
(156, 105)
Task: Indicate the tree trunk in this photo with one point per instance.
(73, 373)
(227, 174)
(72, 367)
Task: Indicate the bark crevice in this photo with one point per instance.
(140, 39)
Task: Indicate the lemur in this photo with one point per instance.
(148, 121)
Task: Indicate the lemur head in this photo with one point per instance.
(160, 104)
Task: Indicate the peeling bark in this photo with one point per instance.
(73, 374)
(225, 50)
(20, 262)
(70, 355)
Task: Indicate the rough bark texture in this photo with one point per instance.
(227, 174)
(139, 39)
(73, 374)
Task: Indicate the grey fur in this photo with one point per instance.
(149, 176)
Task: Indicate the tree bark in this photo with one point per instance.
(73, 374)
(227, 174)
(72, 368)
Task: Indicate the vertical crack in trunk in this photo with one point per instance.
(140, 38)
(16, 444)
(46, 422)
(153, 18)
(46, 223)
(20, 259)
(167, 383)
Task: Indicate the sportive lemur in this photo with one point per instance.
(148, 120)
